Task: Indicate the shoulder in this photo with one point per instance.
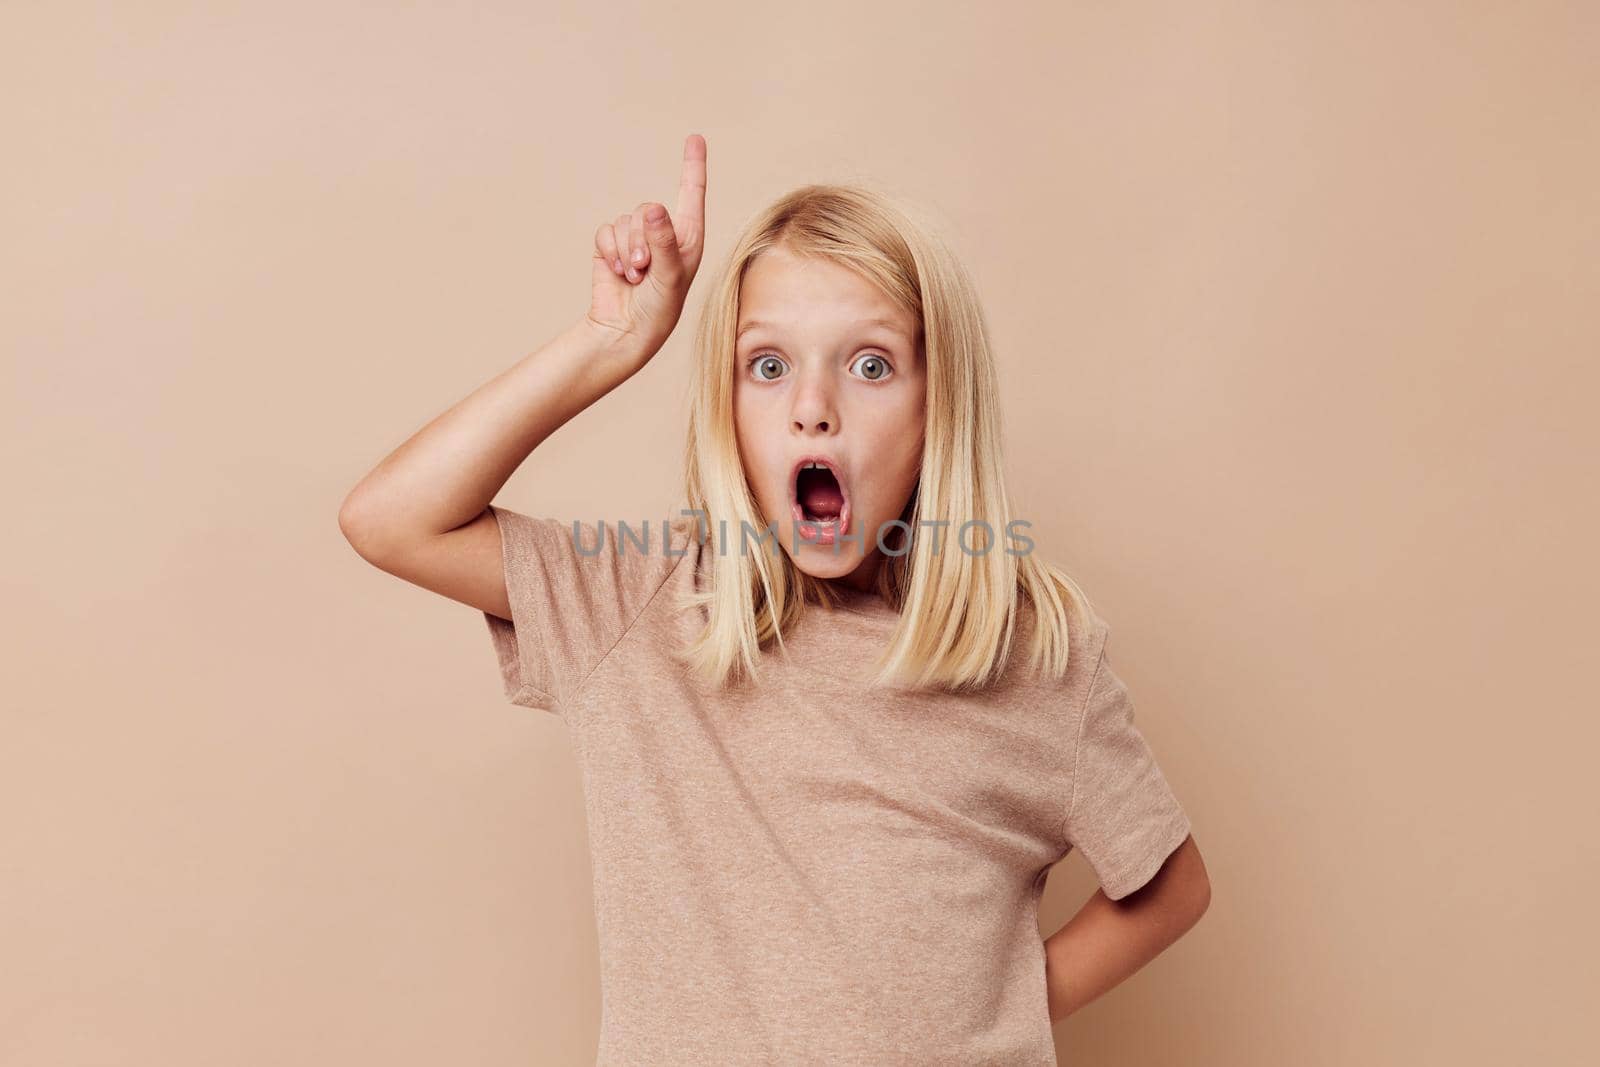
(665, 538)
(576, 589)
(585, 560)
(1087, 635)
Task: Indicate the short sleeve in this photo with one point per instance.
(1123, 815)
(575, 589)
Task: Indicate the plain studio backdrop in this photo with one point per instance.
(1296, 312)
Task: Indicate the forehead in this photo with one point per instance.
(785, 293)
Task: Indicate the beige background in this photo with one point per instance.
(1297, 311)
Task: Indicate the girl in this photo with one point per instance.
(823, 785)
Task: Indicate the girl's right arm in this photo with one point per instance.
(422, 513)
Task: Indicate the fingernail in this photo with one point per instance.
(616, 265)
(638, 255)
(655, 213)
(633, 275)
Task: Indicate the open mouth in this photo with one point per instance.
(821, 507)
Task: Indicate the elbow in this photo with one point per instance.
(1189, 891)
(357, 526)
(1201, 898)
(1196, 886)
(1180, 892)
(349, 518)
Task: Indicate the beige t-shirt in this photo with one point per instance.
(814, 872)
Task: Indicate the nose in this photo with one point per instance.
(814, 409)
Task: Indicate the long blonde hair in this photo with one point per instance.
(958, 610)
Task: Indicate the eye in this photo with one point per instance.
(874, 367)
(765, 362)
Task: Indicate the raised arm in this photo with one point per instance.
(422, 513)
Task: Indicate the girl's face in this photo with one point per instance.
(827, 369)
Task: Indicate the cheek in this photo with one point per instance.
(752, 410)
(902, 446)
(910, 469)
(894, 474)
(756, 450)
(746, 424)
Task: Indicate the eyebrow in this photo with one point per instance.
(888, 324)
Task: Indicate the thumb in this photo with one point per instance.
(665, 259)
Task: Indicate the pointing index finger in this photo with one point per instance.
(692, 185)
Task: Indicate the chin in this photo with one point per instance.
(820, 561)
(827, 561)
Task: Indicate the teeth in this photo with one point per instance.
(814, 467)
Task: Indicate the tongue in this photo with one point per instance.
(821, 499)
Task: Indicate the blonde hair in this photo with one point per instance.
(958, 610)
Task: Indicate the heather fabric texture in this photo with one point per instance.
(810, 870)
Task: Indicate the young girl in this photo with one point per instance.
(836, 721)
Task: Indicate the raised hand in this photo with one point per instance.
(644, 261)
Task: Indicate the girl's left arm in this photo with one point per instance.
(1108, 940)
